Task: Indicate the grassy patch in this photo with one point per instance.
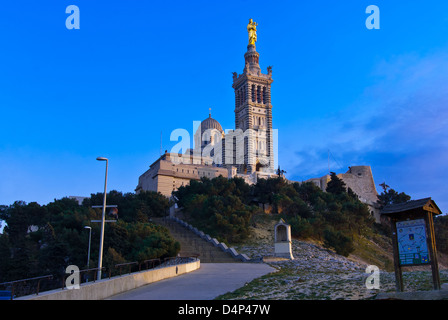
(369, 251)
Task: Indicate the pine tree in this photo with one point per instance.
(336, 185)
(390, 196)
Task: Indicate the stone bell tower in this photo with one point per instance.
(253, 110)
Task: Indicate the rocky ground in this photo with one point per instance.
(319, 274)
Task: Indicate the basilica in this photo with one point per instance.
(246, 152)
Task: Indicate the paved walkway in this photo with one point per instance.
(210, 281)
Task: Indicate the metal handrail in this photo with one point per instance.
(65, 276)
(146, 262)
(130, 264)
(168, 260)
(190, 255)
(12, 283)
(180, 259)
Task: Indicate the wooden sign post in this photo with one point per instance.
(413, 239)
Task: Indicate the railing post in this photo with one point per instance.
(38, 285)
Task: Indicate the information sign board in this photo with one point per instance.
(412, 245)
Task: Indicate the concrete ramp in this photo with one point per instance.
(208, 282)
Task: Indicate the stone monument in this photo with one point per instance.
(282, 246)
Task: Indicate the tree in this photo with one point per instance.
(441, 232)
(390, 196)
(301, 227)
(5, 254)
(219, 206)
(112, 258)
(341, 243)
(336, 185)
(280, 172)
(40, 240)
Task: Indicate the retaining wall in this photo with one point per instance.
(105, 288)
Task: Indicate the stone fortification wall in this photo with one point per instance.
(360, 180)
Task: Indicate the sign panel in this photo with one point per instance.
(412, 246)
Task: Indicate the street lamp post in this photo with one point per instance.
(100, 258)
(88, 253)
(90, 237)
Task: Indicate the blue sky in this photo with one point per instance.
(135, 69)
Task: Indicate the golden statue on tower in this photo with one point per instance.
(252, 29)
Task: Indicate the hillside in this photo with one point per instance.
(319, 273)
(225, 208)
(237, 213)
(376, 250)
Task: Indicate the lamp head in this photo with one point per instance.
(101, 159)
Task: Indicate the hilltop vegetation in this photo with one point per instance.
(229, 209)
(45, 239)
(224, 209)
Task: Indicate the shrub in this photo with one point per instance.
(342, 244)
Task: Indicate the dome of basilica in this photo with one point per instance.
(210, 123)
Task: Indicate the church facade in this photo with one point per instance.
(246, 152)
